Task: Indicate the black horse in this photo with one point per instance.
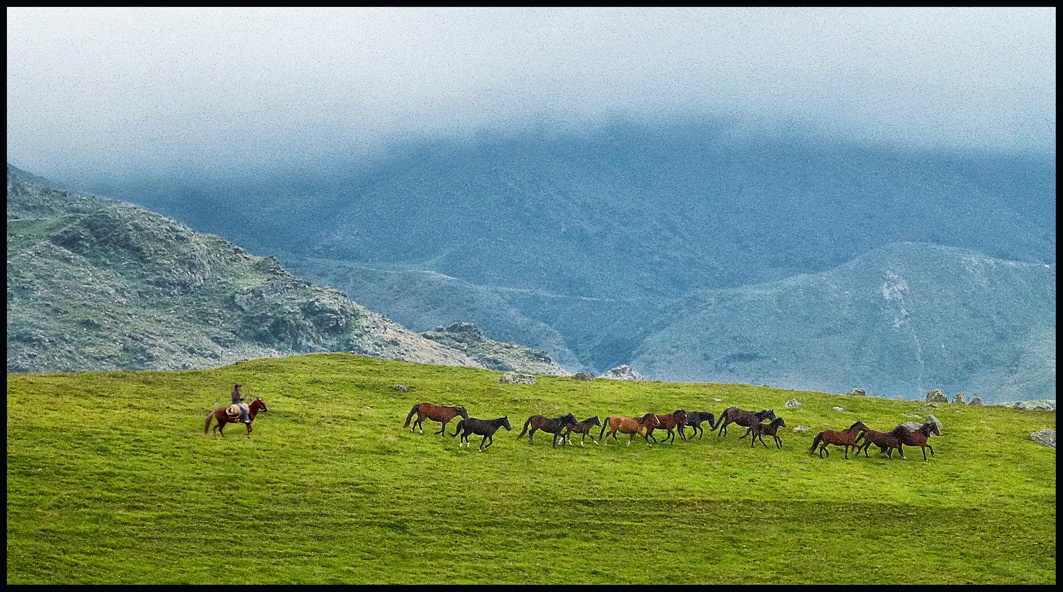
(481, 427)
(759, 429)
(742, 417)
(553, 426)
(694, 420)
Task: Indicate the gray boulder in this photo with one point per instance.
(976, 401)
(857, 392)
(1046, 436)
(622, 372)
(517, 378)
(960, 399)
(936, 396)
(792, 403)
(583, 376)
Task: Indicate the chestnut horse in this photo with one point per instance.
(885, 441)
(480, 427)
(741, 417)
(553, 426)
(669, 421)
(844, 438)
(440, 413)
(919, 437)
(628, 425)
(694, 420)
(223, 417)
(759, 429)
(583, 428)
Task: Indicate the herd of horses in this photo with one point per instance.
(757, 423)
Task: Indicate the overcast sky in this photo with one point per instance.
(118, 90)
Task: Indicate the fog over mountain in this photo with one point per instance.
(610, 185)
(624, 245)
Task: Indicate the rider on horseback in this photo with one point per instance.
(238, 398)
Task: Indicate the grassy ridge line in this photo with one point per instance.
(110, 479)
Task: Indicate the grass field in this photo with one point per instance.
(110, 479)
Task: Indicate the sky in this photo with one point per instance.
(117, 91)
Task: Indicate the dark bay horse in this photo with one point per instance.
(546, 424)
(741, 417)
(440, 413)
(694, 420)
(885, 441)
(669, 421)
(224, 417)
(919, 437)
(759, 429)
(583, 428)
(628, 425)
(846, 438)
(480, 427)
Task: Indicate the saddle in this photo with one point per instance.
(234, 411)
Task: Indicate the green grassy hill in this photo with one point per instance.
(110, 479)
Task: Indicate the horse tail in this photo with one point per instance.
(412, 411)
(816, 441)
(719, 422)
(526, 424)
(605, 424)
(206, 426)
(457, 428)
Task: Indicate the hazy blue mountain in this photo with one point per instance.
(593, 245)
(900, 320)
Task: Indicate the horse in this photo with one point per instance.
(440, 413)
(583, 428)
(480, 427)
(553, 426)
(844, 438)
(885, 441)
(741, 417)
(223, 416)
(919, 437)
(694, 420)
(759, 429)
(669, 421)
(629, 425)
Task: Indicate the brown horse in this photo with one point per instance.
(628, 425)
(919, 437)
(694, 420)
(223, 416)
(583, 428)
(546, 424)
(669, 421)
(759, 429)
(440, 413)
(741, 417)
(885, 441)
(846, 438)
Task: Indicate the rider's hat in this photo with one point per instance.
(239, 385)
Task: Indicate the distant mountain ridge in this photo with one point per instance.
(96, 284)
(599, 247)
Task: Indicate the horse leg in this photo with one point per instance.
(442, 428)
(530, 434)
(761, 438)
(931, 449)
(924, 453)
(778, 441)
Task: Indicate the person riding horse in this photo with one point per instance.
(238, 398)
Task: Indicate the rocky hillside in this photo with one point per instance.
(97, 284)
(467, 338)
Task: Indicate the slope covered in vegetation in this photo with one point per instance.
(111, 479)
